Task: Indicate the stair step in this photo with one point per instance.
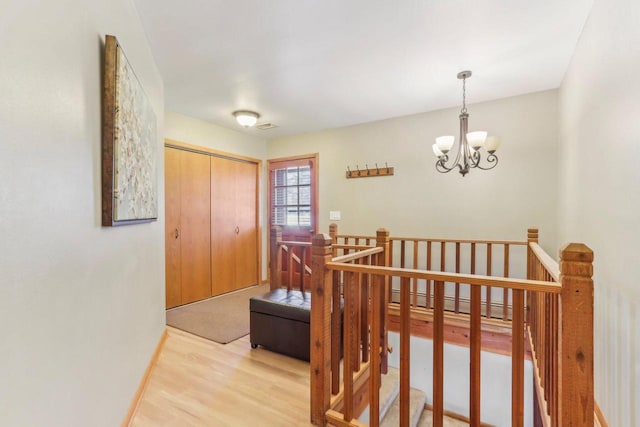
(426, 420)
(417, 399)
(389, 390)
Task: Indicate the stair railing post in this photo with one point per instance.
(320, 328)
(532, 237)
(575, 385)
(333, 232)
(383, 241)
(275, 250)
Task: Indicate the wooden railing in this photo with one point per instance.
(560, 330)
(289, 265)
(560, 311)
(473, 256)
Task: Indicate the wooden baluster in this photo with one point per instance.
(357, 309)
(320, 329)
(377, 300)
(554, 360)
(489, 265)
(364, 312)
(290, 267)
(517, 358)
(475, 345)
(576, 336)
(505, 294)
(276, 258)
(428, 299)
(438, 353)
(443, 258)
(389, 289)
(456, 306)
(303, 261)
(405, 341)
(414, 289)
(347, 369)
(547, 347)
(384, 259)
(336, 331)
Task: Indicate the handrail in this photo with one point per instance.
(339, 246)
(501, 282)
(357, 255)
(547, 262)
(293, 243)
(438, 239)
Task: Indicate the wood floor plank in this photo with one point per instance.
(198, 382)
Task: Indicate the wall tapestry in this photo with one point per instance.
(129, 143)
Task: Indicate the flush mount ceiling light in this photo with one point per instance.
(246, 118)
(468, 151)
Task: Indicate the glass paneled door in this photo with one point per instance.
(293, 203)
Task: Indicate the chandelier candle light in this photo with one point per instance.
(468, 152)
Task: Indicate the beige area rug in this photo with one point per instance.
(221, 319)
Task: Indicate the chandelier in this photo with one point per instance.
(468, 153)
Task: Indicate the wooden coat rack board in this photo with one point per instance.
(368, 173)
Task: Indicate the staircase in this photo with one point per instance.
(390, 405)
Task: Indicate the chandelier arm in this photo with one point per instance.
(475, 159)
(442, 168)
(492, 159)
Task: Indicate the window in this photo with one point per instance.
(291, 196)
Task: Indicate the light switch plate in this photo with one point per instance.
(334, 215)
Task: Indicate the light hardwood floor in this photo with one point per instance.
(197, 382)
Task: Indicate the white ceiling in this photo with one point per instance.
(308, 65)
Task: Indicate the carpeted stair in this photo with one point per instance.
(390, 405)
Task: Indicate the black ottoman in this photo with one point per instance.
(279, 321)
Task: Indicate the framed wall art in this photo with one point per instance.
(129, 144)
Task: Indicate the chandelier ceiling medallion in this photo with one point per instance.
(468, 153)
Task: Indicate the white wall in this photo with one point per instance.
(599, 105)
(199, 132)
(418, 201)
(82, 306)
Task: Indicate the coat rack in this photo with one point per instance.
(368, 173)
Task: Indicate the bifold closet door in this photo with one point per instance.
(234, 250)
(173, 294)
(187, 227)
(247, 231)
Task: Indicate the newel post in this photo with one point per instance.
(320, 329)
(576, 336)
(532, 237)
(383, 241)
(333, 233)
(275, 265)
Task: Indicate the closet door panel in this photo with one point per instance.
(172, 227)
(223, 225)
(246, 217)
(195, 233)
